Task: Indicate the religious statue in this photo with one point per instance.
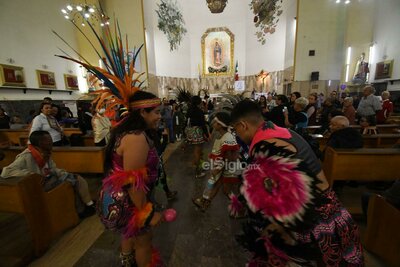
(217, 54)
(361, 71)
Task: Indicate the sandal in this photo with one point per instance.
(201, 203)
(127, 260)
(199, 173)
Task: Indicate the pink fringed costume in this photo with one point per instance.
(115, 208)
(290, 219)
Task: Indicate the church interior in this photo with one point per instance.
(327, 71)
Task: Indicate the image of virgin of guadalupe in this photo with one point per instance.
(217, 54)
(217, 64)
(361, 71)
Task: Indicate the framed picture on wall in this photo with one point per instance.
(217, 47)
(46, 79)
(12, 75)
(71, 82)
(384, 69)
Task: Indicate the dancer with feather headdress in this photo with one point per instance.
(295, 219)
(124, 204)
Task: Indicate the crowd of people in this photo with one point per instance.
(260, 157)
(297, 112)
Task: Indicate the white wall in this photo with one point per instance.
(163, 62)
(387, 37)
(26, 37)
(290, 14)
(271, 56)
(321, 26)
(237, 17)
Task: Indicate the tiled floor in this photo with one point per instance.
(194, 239)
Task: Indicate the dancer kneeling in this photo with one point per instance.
(294, 216)
(131, 165)
(225, 150)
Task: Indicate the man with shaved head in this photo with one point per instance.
(342, 135)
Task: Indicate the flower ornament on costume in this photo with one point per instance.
(275, 185)
(235, 206)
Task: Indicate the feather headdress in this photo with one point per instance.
(119, 77)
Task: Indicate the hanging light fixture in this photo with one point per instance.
(84, 13)
(216, 6)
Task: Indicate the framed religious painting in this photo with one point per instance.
(71, 82)
(46, 79)
(217, 47)
(12, 76)
(384, 69)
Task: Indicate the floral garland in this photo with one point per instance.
(266, 17)
(171, 23)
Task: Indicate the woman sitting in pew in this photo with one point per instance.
(37, 159)
(46, 122)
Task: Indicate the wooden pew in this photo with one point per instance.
(381, 128)
(383, 236)
(88, 140)
(72, 159)
(69, 131)
(365, 164)
(14, 135)
(370, 141)
(48, 214)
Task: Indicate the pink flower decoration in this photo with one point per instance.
(235, 207)
(275, 187)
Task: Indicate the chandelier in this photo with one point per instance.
(216, 6)
(345, 1)
(84, 14)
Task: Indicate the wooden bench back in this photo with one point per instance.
(14, 135)
(72, 159)
(370, 141)
(48, 214)
(365, 164)
(381, 128)
(383, 236)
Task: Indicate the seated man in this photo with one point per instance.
(37, 159)
(343, 136)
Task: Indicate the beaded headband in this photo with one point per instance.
(146, 103)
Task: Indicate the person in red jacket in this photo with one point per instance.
(387, 108)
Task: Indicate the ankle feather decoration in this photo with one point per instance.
(235, 206)
(141, 218)
(118, 179)
(155, 259)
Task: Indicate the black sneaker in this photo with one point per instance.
(171, 195)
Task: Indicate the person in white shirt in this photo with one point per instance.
(46, 122)
(101, 128)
